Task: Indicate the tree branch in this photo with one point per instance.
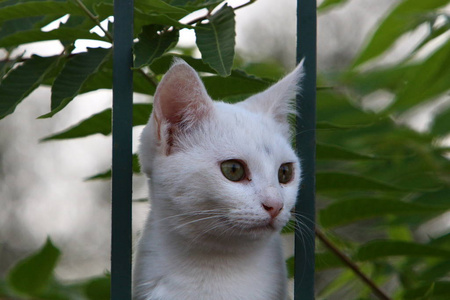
(199, 19)
(347, 261)
(94, 18)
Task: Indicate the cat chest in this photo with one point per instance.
(216, 283)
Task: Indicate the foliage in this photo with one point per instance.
(375, 175)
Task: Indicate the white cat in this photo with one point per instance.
(223, 179)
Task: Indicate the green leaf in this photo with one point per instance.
(98, 288)
(327, 4)
(76, 71)
(406, 16)
(28, 9)
(327, 260)
(388, 248)
(193, 5)
(419, 87)
(352, 210)
(37, 35)
(33, 274)
(439, 289)
(105, 10)
(238, 83)
(154, 41)
(21, 81)
(332, 152)
(336, 181)
(441, 123)
(434, 33)
(160, 7)
(290, 266)
(103, 78)
(439, 270)
(162, 65)
(215, 40)
(101, 123)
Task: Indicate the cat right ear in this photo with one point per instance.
(277, 100)
(180, 102)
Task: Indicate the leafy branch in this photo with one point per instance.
(348, 262)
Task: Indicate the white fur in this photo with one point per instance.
(205, 236)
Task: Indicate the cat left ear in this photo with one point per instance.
(180, 102)
(277, 99)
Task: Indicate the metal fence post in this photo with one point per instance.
(306, 143)
(122, 115)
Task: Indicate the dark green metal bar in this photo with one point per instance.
(306, 147)
(122, 115)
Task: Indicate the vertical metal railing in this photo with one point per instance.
(121, 235)
(306, 144)
(122, 115)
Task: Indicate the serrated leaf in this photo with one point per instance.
(349, 211)
(101, 123)
(193, 5)
(21, 81)
(75, 72)
(33, 274)
(420, 88)
(238, 83)
(336, 181)
(153, 42)
(28, 9)
(37, 35)
(160, 7)
(407, 16)
(216, 40)
(102, 79)
(388, 248)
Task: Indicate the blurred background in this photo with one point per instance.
(43, 187)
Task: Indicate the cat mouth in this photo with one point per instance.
(262, 228)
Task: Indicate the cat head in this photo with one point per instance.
(217, 169)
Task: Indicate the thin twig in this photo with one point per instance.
(199, 19)
(149, 78)
(94, 18)
(376, 290)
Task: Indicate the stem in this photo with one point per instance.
(149, 78)
(376, 290)
(94, 18)
(208, 14)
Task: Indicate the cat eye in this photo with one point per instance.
(233, 170)
(285, 173)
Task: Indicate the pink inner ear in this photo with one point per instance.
(181, 97)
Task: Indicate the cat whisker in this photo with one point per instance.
(190, 214)
(195, 221)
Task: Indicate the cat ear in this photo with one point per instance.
(277, 99)
(180, 102)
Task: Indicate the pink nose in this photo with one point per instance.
(273, 207)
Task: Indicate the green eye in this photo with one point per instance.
(233, 170)
(285, 173)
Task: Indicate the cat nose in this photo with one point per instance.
(273, 207)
